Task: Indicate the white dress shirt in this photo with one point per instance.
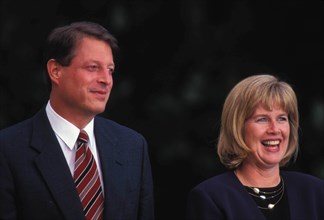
(67, 135)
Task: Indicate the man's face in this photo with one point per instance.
(84, 86)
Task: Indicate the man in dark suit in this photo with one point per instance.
(37, 156)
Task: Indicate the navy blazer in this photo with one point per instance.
(224, 197)
(36, 183)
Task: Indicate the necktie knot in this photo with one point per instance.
(83, 137)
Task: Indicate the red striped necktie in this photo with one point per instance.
(87, 180)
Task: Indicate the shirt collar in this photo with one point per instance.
(64, 129)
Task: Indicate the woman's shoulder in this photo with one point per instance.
(301, 178)
(219, 181)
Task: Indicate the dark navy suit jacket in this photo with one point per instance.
(224, 197)
(36, 183)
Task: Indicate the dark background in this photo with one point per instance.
(178, 61)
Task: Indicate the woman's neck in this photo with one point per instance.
(256, 177)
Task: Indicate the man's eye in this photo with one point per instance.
(92, 68)
(111, 70)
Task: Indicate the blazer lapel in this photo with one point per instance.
(54, 169)
(295, 205)
(249, 204)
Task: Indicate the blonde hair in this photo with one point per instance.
(240, 104)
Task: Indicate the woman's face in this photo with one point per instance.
(266, 133)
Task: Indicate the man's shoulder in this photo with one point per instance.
(15, 129)
(21, 128)
(113, 126)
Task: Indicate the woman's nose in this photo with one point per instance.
(274, 128)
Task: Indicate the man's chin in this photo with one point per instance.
(98, 111)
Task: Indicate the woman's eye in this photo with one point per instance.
(282, 119)
(261, 119)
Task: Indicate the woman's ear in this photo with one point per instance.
(53, 70)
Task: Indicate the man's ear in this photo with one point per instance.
(54, 70)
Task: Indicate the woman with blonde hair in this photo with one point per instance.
(258, 136)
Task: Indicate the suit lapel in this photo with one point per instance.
(112, 162)
(54, 169)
